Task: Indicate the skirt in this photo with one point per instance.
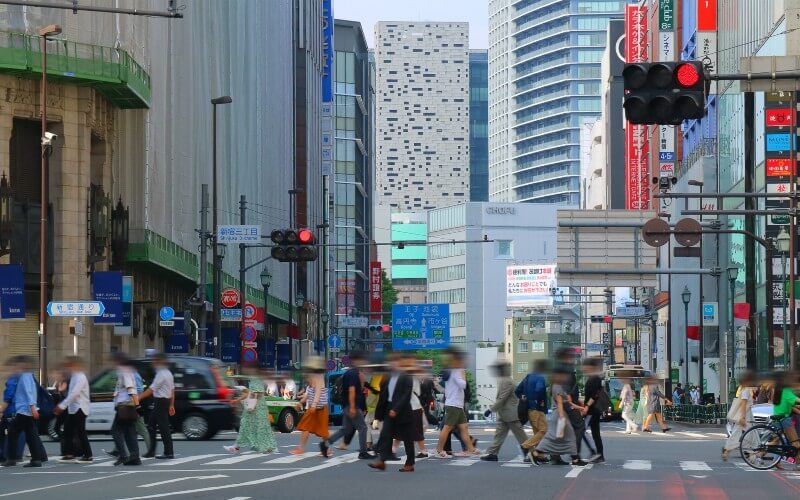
(315, 422)
(417, 430)
(555, 445)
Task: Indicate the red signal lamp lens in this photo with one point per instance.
(386, 328)
(687, 75)
(305, 237)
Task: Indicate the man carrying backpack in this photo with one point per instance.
(354, 407)
(534, 388)
(27, 415)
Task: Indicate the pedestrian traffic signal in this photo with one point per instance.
(293, 245)
(664, 93)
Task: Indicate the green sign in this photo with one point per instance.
(666, 15)
(674, 375)
(779, 219)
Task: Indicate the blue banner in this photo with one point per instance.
(231, 345)
(284, 357)
(12, 292)
(178, 341)
(327, 51)
(107, 288)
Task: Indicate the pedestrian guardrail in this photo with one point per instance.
(697, 414)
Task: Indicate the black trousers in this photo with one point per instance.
(594, 426)
(159, 420)
(124, 434)
(26, 424)
(391, 430)
(76, 440)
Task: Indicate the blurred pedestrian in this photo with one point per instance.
(627, 401)
(455, 417)
(740, 412)
(505, 408)
(560, 438)
(8, 410)
(534, 389)
(654, 398)
(26, 418)
(255, 430)
(162, 390)
(394, 409)
(77, 406)
(596, 403)
(315, 419)
(354, 408)
(126, 403)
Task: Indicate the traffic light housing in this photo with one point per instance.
(293, 245)
(664, 93)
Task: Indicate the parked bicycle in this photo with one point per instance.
(764, 445)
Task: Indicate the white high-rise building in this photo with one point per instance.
(544, 86)
(422, 114)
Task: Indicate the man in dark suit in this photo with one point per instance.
(394, 410)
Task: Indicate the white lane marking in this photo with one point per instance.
(48, 472)
(516, 462)
(294, 458)
(717, 434)
(237, 459)
(637, 465)
(178, 461)
(463, 462)
(240, 498)
(175, 480)
(110, 463)
(694, 466)
(103, 478)
(691, 434)
(239, 484)
(577, 470)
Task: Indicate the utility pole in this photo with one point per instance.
(242, 263)
(201, 291)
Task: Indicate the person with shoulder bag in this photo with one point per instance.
(26, 418)
(533, 390)
(740, 412)
(126, 403)
(505, 408)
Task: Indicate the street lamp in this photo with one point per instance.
(47, 149)
(266, 281)
(653, 336)
(325, 317)
(783, 242)
(216, 274)
(686, 297)
(733, 273)
(5, 216)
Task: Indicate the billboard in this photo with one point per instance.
(529, 285)
(637, 172)
(375, 289)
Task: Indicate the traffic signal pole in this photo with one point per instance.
(243, 270)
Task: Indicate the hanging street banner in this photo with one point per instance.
(12, 292)
(177, 342)
(530, 285)
(126, 328)
(107, 288)
(375, 289)
(637, 143)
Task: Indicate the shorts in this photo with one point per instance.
(454, 416)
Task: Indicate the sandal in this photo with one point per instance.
(724, 455)
(297, 451)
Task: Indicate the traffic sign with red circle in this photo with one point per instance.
(230, 298)
(249, 311)
(249, 355)
(249, 334)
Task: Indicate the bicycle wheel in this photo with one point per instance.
(754, 447)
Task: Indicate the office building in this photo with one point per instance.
(422, 114)
(544, 85)
(478, 125)
(409, 269)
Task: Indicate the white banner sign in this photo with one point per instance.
(707, 53)
(530, 285)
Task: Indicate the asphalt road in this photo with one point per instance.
(681, 464)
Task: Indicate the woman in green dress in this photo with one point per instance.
(255, 430)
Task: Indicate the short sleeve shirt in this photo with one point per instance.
(352, 378)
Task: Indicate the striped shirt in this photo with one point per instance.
(323, 397)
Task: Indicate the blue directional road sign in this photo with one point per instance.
(334, 342)
(420, 326)
(166, 313)
(72, 309)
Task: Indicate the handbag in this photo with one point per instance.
(561, 425)
(127, 413)
(250, 404)
(735, 410)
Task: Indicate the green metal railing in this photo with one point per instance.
(698, 414)
(113, 72)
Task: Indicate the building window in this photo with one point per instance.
(504, 249)
(522, 347)
(406, 300)
(522, 366)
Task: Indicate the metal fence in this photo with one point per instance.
(697, 414)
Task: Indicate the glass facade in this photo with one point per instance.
(554, 69)
(478, 125)
(351, 184)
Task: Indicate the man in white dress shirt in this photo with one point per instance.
(163, 392)
(77, 405)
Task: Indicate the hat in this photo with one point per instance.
(499, 363)
(314, 364)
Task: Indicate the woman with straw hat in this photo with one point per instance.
(315, 419)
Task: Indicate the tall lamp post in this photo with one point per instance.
(686, 297)
(733, 273)
(219, 256)
(653, 337)
(47, 149)
(325, 317)
(216, 274)
(300, 301)
(5, 216)
(783, 247)
(266, 281)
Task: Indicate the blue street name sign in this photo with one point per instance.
(59, 309)
(420, 326)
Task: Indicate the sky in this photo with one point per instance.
(368, 12)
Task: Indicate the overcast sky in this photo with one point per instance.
(368, 12)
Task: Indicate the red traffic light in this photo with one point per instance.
(687, 75)
(386, 329)
(305, 237)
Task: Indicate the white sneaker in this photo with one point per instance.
(593, 458)
(232, 449)
(440, 454)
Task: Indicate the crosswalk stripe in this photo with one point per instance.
(637, 465)
(694, 466)
(691, 434)
(237, 459)
(183, 460)
(110, 463)
(293, 458)
(516, 462)
(462, 463)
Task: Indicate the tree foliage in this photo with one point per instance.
(388, 293)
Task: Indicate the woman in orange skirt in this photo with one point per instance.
(315, 419)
